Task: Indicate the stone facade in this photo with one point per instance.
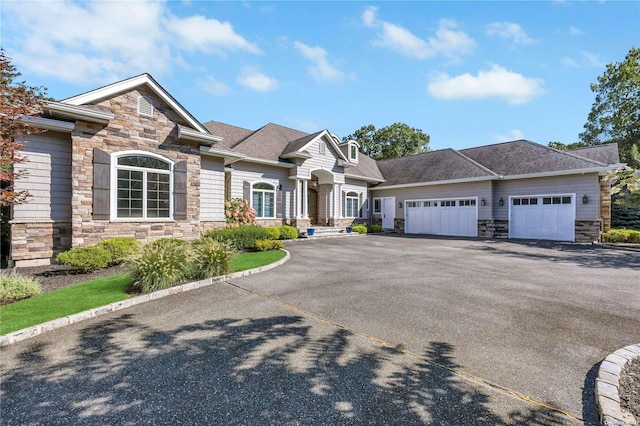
(488, 228)
(587, 231)
(38, 242)
(131, 131)
(605, 203)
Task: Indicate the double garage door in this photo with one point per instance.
(456, 217)
(549, 217)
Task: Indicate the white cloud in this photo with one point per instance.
(513, 135)
(498, 82)
(197, 33)
(569, 62)
(102, 41)
(254, 79)
(587, 59)
(213, 86)
(510, 31)
(575, 31)
(321, 70)
(447, 40)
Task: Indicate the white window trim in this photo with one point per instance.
(275, 198)
(351, 149)
(379, 210)
(352, 197)
(113, 187)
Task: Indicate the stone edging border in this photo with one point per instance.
(29, 332)
(608, 385)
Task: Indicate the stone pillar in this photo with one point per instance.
(605, 203)
(296, 194)
(305, 199)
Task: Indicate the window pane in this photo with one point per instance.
(129, 199)
(556, 200)
(263, 186)
(566, 200)
(533, 201)
(257, 203)
(143, 161)
(516, 201)
(546, 200)
(269, 204)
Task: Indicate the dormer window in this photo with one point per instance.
(353, 152)
(145, 107)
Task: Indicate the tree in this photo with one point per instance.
(17, 100)
(567, 147)
(615, 114)
(396, 140)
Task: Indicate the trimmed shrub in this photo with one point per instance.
(85, 259)
(211, 258)
(288, 232)
(243, 238)
(374, 229)
(360, 229)
(273, 232)
(622, 236)
(120, 248)
(161, 264)
(264, 245)
(15, 286)
(239, 212)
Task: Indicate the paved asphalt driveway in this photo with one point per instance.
(306, 344)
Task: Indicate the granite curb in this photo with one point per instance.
(634, 247)
(29, 332)
(608, 385)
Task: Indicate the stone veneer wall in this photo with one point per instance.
(398, 225)
(38, 242)
(488, 228)
(130, 131)
(605, 203)
(587, 231)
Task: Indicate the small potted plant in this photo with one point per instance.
(311, 232)
(349, 229)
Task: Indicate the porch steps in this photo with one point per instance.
(327, 231)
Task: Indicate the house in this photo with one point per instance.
(128, 160)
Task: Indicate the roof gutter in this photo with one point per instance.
(366, 179)
(48, 124)
(438, 182)
(196, 136)
(561, 172)
(75, 112)
(268, 162)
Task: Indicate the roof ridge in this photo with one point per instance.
(474, 162)
(592, 146)
(576, 156)
(284, 127)
(500, 143)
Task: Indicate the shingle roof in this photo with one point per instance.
(606, 154)
(523, 157)
(366, 167)
(268, 142)
(295, 145)
(433, 166)
(231, 134)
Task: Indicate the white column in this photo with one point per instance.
(297, 197)
(305, 199)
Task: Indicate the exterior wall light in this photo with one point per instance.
(501, 202)
(482, 202)
(399, 205)
(585, 199)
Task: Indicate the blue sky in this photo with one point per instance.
(466, 73)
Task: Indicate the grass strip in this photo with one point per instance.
(244, 261)
(63, 302)
(98, 292)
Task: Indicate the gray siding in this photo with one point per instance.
(48, 178)
(457, 190)
(360, 188)
(252, 172)
(572, 184)
(212, 188)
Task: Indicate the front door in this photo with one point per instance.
(312, 205)
(388, 212)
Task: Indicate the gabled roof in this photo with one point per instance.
(524, 157)
(433, 166)
(231, 135)
(299, 144)
(297, 147)
(131, 83)
(606, 154)
(268, 142)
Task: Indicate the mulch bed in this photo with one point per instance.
(54, 277)
(630, 388)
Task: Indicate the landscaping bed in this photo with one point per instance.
(630, 388)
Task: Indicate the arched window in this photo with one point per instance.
(352, 204)
(263, 199)
(143, 186)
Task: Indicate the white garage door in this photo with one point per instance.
(456, 217)
(548, 217)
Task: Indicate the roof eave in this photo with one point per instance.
(196, 136)
(364, 178)
(48, 124)
(297, 154)
(582, 171)
(268, 162)
(77, 112)
(438, 182)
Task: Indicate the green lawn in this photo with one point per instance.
(94, 293)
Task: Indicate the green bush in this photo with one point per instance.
(360, 229)
(161, 264)
(374, 229)
(273, 232)
(265, 245)
(243, 237)
(211, 258)
(625, 217)
(17, 287)
(120, 248)
(622, 236)
(288, 232)
(85, 259)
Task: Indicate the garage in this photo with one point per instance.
(454, 217)
(546, 217)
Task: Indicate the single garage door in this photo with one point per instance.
(548, 217)
(455, 217)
